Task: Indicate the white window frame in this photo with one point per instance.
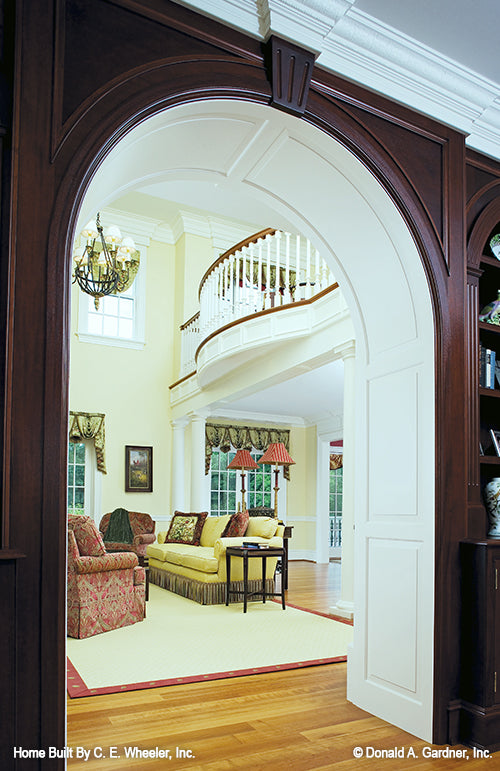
(93, 483)
(335, 551)
(137, 341)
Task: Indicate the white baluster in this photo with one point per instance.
(218, 293)
(251, 291)
(227, 291)
(231, 288)
(210, 281)
(267, 302)
(324, 275)
(308, 269)
(287, 296)
(298, 288)
(317, 275)
(243, 308)
(277, 281)
(237, 297)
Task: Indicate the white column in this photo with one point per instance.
(178, 498)
(322, 494)
(345, 606)
(200, 490)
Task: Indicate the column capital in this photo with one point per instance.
(177, 423)
(198, 416)
(348, 350)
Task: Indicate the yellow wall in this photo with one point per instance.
(301, 494)
(131, 388)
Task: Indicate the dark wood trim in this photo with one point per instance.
(188, 322)
(291, 69)
(182, 379)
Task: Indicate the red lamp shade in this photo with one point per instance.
(243, 460)
(276, 453)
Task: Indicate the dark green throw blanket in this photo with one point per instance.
(119, 530)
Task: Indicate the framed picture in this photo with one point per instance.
(495, 435)
(138, 469)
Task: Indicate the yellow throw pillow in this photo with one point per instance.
(212, 529)
(264, 526)
(160, 537)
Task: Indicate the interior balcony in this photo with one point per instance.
(268, 305)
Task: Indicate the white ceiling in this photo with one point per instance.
(314, 396)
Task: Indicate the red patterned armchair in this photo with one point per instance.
(105, 591)
(141, 532)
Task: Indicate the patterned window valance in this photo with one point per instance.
(243, 438)
(89, 425)
(336, 461)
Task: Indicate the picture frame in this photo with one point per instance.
(495, 435)
(138, 469)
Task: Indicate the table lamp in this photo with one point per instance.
(276, 453)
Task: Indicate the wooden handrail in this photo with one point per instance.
(233, 250)
(188, 322)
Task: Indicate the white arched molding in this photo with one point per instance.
(304, 177)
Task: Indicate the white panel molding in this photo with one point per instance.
(393, 578)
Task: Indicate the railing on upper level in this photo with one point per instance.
(271, 269)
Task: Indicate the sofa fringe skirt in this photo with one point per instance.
(206, 593)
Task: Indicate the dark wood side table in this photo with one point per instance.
(286, 535)
(246, 554)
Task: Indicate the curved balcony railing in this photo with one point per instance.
(270, 269)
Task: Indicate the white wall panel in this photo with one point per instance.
(392, 613)
(393, 428)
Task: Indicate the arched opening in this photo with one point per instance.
(306, 177)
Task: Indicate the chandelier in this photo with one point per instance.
(108, 263)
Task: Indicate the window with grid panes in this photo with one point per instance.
(114, 317)
(76, 478)
(335, 507)
(225, 484)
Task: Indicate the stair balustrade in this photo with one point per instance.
(271, 269)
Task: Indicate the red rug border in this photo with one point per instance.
(77, 688)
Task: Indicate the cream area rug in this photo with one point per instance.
(181, 641)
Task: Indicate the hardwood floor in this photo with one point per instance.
(297, 720)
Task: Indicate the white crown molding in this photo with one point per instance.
(360, 48)
(141, 229)
(190, 223)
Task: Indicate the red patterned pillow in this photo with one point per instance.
(186, 528)
(88, 537)
(237, 525)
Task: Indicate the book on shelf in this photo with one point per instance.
(487, 367)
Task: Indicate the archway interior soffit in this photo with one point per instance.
(256, 156)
